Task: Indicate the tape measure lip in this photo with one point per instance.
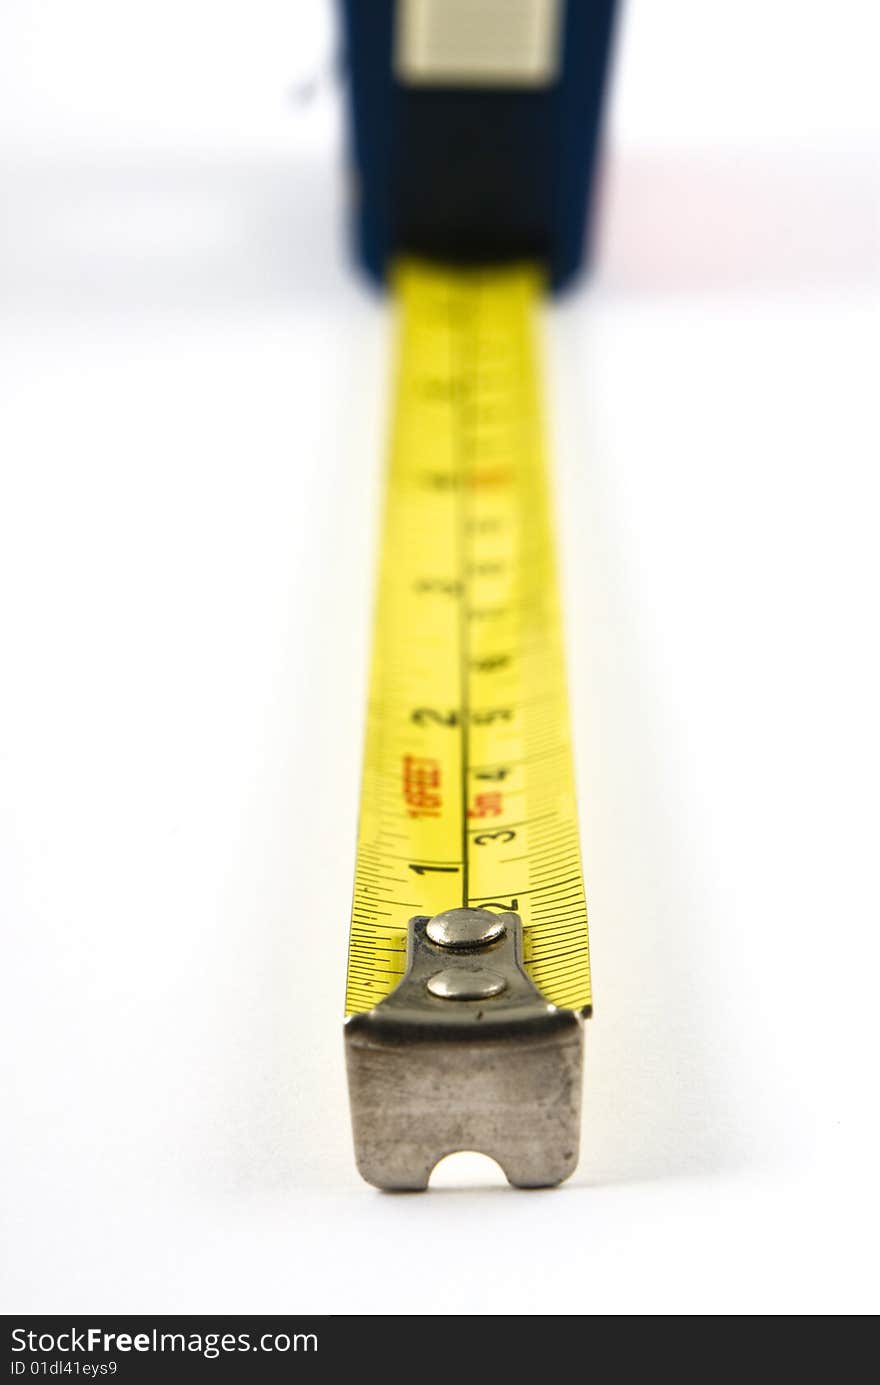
(583, 1012)
(376, 1029)
(428, 1077)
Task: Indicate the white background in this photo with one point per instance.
(194, 399)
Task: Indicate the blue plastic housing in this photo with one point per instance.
(475, 174)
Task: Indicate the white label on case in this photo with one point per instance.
(477, 42)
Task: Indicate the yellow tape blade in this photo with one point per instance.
(468, 788)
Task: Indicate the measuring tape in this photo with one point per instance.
(468, 807)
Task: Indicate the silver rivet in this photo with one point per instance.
(465, 928)
(457, 984)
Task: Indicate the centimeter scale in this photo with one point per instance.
(468, 971)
